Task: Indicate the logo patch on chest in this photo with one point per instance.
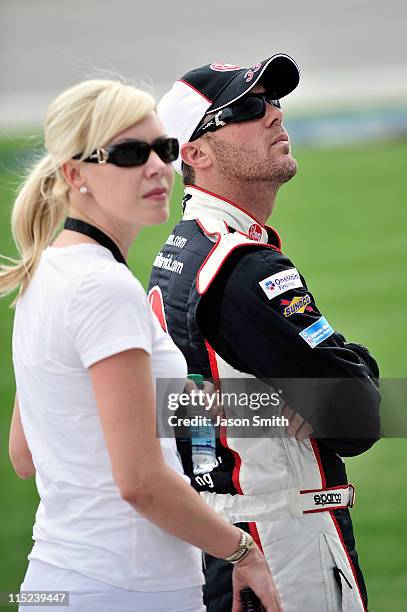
(255, 232)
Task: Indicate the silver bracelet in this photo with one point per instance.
(245, 545)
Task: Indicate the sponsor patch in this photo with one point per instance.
(317, 332)
(177, 241)
(281, 282)
(248, 76)
(255, 232)
(297, 304)
(168, 263)
(322, 499)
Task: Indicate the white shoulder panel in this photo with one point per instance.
(225, 244)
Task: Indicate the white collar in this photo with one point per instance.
(204, 204)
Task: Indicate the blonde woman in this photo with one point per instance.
(118, 525)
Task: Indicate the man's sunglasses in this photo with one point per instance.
(251, 106)
(134, 152)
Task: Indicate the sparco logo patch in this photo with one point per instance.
(255, 232)
(224, 67)
(324, 499)
(281, 282)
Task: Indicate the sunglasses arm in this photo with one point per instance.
(101, 156)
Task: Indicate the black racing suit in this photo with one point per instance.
(218, 312)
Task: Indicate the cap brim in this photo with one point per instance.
(279, 75)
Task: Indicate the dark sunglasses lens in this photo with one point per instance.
(266, 97)
(250, 107)
(167, 149)
(128, 154)
(245, 109)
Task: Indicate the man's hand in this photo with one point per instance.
(209, 399)
(297, 427)
(254, 572)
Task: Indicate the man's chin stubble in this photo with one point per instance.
(235, 165)
(279, 173)
(287, 171)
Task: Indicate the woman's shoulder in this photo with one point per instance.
(87, 278)
(109, 278)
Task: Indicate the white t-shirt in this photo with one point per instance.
(82, 306)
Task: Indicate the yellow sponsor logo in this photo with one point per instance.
(297, 304)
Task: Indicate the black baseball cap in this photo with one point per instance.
(211, 87)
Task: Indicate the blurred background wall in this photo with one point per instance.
(351, 52)
(343, 218)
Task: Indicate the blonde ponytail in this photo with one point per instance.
(37, 214)
(83, 118)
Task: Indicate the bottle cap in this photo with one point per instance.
(197, 378)
(249, 600)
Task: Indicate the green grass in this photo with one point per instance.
(342, 221)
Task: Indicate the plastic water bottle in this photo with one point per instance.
(203, 438)
(249, 601)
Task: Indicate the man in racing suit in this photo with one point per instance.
(237, 307)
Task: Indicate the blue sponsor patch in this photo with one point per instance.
(317, 332)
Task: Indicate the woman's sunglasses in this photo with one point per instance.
(134, 152)
(251, 106)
